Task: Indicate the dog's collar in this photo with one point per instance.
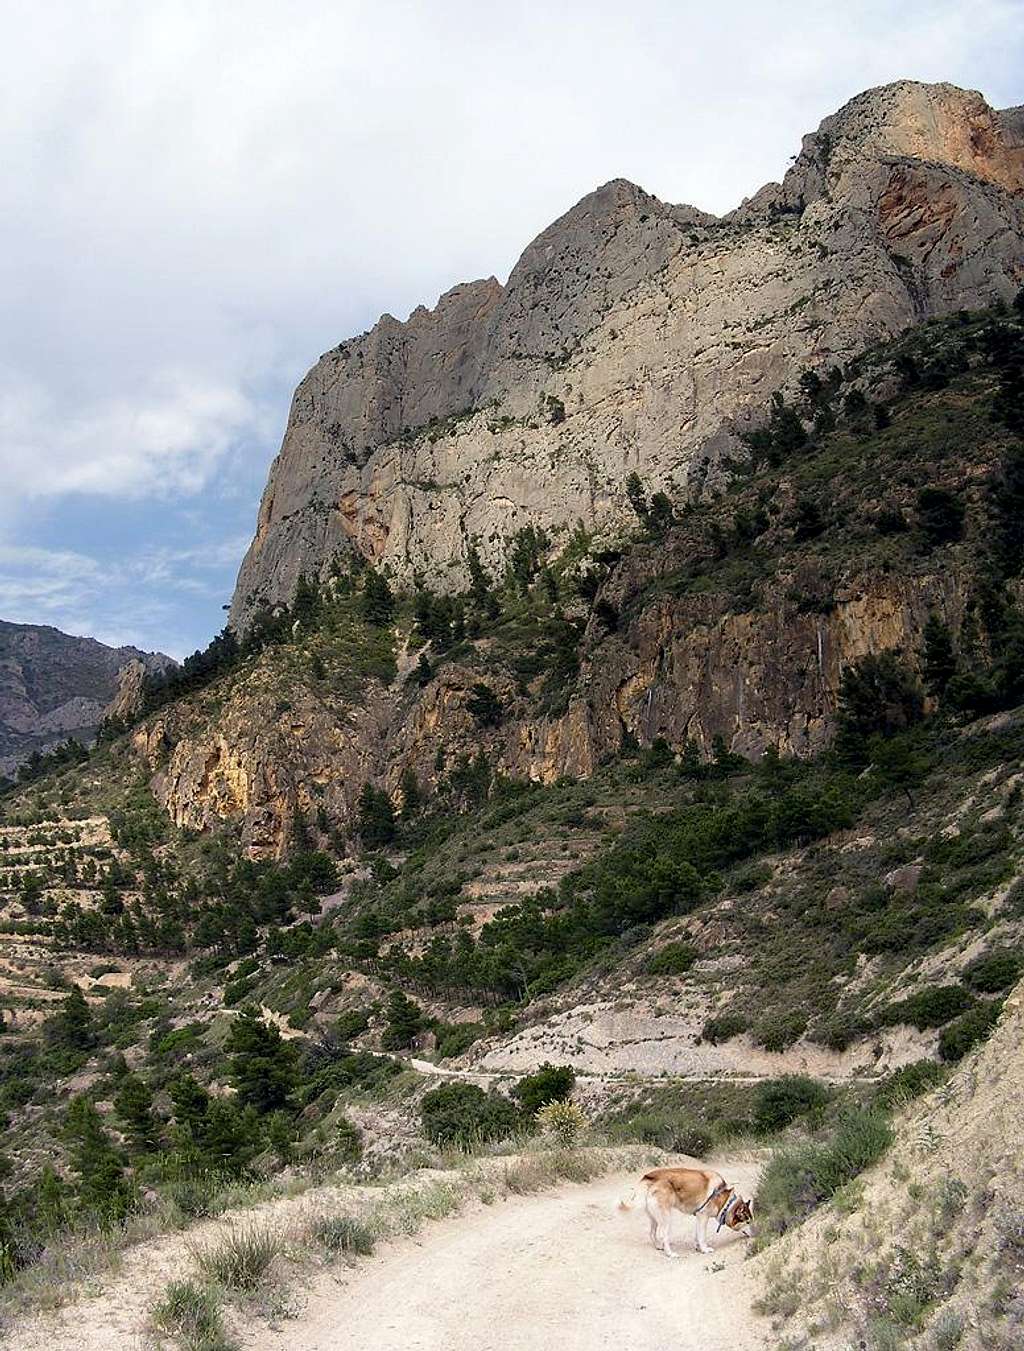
(708, 1199)
(723, 1214)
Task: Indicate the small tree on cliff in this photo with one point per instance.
(377, 601)
(375, 817)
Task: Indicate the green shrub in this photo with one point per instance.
(931, 1007)
(780, 1101)
(454, 1038)
(778, 1030)
(940, 516)
(909, 1082)
(463, 1114)
(841, 1030)
(551, 1083)
(723, 1027)
(192, 1313)
(799, 1178)
(672, 1132)
(350, 1024)
(996, 970)
(672, 960)
(960, 1037)
(348, 1139)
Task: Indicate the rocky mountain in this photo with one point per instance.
(640, 696)
(54, 686)
(731, 622)
(634, 335)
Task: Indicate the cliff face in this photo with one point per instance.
(633, 334)
(683, 668)
(53, 686)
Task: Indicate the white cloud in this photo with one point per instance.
(164, 440)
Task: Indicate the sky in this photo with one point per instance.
(198, 197)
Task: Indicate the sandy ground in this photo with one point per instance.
(561, 1269)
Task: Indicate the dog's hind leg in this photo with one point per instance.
(660, 1217)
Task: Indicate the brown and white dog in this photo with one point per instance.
(702, 1192)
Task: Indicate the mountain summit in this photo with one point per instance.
(634, 335)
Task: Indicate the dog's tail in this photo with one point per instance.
(628, 1202)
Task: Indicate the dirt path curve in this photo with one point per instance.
(564, 1269)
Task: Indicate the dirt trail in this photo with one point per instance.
(487, 1077)
(561, 1269)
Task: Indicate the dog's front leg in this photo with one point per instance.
(702, 1244)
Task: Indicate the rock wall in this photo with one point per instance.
(633, 334)
(682, 668)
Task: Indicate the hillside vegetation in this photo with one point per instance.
(185, 1016)
(927, 1247)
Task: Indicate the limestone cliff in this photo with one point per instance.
(633, 334)
(684, 668)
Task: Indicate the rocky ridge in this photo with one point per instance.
(54, 686)
(636, 335)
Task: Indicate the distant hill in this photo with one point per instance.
(54, 686)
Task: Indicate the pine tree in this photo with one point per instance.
(263, 1065)
(377, 601)
(72, 1029)
(306, 603)
(412, 796)
(484, 705)
(939, 660)
(133, 1103)
(103, 1189)
(405, 1020)
(877, 694)
(637, 497)
(375, 817)
(897, 764)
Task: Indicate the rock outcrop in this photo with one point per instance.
(684, 668)
(636, 335)
(54, 686)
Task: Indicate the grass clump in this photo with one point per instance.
(343, 1234)
(909, 1082)
(242, 1259)
(196, 1197)
(191, 1313)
